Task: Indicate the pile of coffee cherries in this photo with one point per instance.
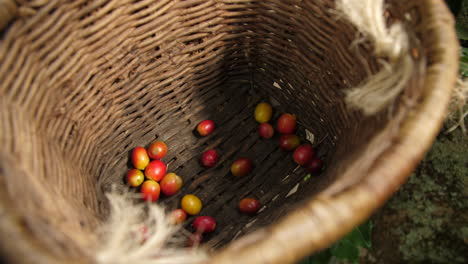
(151, 176)
(303, 154)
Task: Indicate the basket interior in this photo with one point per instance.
(96, 79)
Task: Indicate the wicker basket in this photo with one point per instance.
(83, 82)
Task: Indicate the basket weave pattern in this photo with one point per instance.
(83, 82)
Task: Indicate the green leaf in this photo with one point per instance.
(464, 62)
(356, 238)
(464, 69)
(322, 257)
(348, 247)
(366, 231)
(345, 249)
(462, 32)
(360, 236)
(464, 52)
(307, 177)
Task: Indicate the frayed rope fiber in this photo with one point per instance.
(457, 110)
(142, 234)
(379, 90)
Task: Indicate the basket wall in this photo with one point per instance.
(84, 82)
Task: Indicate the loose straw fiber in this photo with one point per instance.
(457, 110)
(142, 233)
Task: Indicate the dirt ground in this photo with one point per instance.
(426, 221)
